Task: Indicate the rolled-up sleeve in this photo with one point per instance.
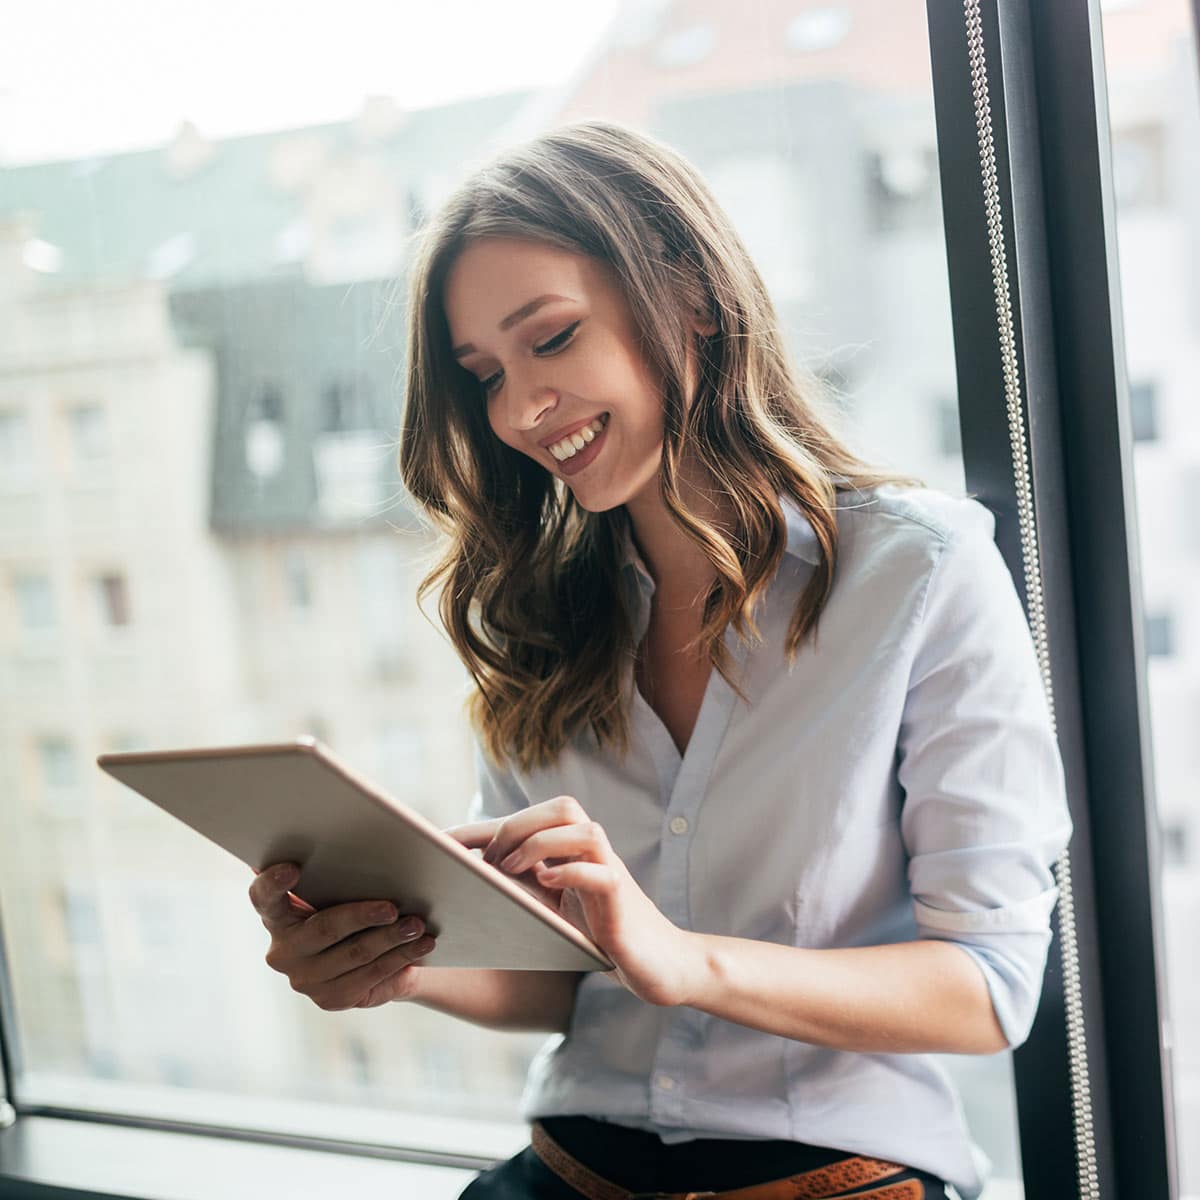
(985, 811)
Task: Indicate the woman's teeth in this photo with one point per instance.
(571, 445)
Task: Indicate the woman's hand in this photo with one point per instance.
(566, 858)
(356, 955)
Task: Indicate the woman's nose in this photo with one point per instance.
(530, 409)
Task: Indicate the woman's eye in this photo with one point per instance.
(555, 344)
(558, 341)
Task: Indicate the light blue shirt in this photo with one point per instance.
(901, 781)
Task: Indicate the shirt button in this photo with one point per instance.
(679, 825)
(665, 1082)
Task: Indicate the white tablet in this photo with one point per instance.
(297, 802)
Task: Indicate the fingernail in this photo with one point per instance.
(510, 861)
(409, 927)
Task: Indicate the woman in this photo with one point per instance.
(762, 720)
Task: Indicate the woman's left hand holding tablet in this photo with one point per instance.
(579, 875)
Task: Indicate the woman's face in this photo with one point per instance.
(550, 336)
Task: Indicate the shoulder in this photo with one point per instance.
(896, 525)
(922, 514)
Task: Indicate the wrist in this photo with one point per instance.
(696, 969)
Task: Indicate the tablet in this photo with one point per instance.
(297, 802)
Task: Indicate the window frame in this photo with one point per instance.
(1047, 94)
(1048, 108)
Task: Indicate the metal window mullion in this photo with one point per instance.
(1023, 145)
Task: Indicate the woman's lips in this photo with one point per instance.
(575, 464)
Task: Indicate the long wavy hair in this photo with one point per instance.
(530, 590)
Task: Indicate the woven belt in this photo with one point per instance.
(833, 1180)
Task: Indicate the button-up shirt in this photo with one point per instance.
(901, 780)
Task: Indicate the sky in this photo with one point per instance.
(80, 78)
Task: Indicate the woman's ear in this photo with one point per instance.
(703, 324)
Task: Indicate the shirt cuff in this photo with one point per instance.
(1026, 916)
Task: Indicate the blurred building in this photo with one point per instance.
(204, 537)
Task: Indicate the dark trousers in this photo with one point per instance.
(641, 1162)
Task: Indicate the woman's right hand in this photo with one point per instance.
(346, 956)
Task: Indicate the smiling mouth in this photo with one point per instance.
(576, 443)
(581, 459)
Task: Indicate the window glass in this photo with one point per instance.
(1154, 101)
(217, 285)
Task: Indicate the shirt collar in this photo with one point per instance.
(801, 538)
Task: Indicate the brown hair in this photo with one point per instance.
(531, 599)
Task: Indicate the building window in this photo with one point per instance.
(1160, 634)
(1174, 844)
(264, 433)
(1139, 167)
(59, 770)
(902, 188)
(112, 600)
(949, 431)
(317, 727)
(89, 435)
(686, 47)
(345, 406)
(1143, 408)
(299, 582)
(35, 601)
(819, 28)
(80, 917)
(268, 404)
(16, 445)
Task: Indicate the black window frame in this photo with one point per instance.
(1046, 92)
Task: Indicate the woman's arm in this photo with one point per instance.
(514, 1000)
(925, 996)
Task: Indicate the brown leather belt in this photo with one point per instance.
(833, 1180)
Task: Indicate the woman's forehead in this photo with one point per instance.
(515, 261)
(492, 277)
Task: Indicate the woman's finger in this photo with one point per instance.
(562, 810)
(585, 840)
(599, 879)
(476, 833)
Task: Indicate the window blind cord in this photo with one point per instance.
(1081, 1093)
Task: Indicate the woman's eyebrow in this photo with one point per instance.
(513, 318)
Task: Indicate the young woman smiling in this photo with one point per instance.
(764, 721)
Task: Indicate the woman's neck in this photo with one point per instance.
(680, 569)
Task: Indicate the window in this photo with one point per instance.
(1160, 634)
(89, 435)
(1175, 844)
(949, 435)
(345, 405)
(902, 184)
(1153, 89)
(257, 462)
(264, 433)
(685, 47)
(820, 28)
(58, 768)
(1139, 167)
(1143, 407)
(299, 584)
(112, 600)
(16, 446)
(35, 601)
